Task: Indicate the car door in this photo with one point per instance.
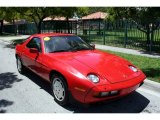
(29, 57)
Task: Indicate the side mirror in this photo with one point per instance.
(33, 50)
(92, 45)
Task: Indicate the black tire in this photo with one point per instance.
(59, 89)
(20, 66)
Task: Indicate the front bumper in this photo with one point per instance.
(124, 88)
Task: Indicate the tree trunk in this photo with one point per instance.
(1, 29)
(148, 35)
(99, 27)
(68, 25)
(39, 27)
(15, 27)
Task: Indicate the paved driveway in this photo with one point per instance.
(30, 94)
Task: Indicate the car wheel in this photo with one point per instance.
(59, 89)
(20, 66)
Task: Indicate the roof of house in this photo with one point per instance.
(57, 18)
(97, 15)
(16, 22)
(5, 22)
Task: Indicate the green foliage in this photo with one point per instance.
(148, 14)
(37, 14)
(141, 15)
(71, 11)
(11, 14)
(146, 18)
(97, 9)
(145, 15)
(7, 14)
(82, 11)
(67, 11)
(122, 13)
(2, 13)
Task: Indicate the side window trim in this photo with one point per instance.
(33, 39)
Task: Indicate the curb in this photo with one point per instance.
(127, 51)
(152, 85)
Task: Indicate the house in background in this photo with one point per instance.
(89, 22)
(93, 21)
(74, 25)
(95, 16)
(60, 24)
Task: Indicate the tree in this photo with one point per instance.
(12, 15)
(97, 9)
(69, 12)
(146, 18)
(82, 11)
(37, 14)
(2, 15)
(122, 12)
(9, 14)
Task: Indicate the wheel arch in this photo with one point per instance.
(52, 72)
(17, 55)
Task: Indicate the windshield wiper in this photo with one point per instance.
(61, 51)
(80, 48)
(58, 51)
(72, 49)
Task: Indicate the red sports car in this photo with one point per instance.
(74, 67)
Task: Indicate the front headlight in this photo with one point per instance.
(93, 78)
(134, 69)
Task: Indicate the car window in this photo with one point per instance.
(64, 43)
(34, 43)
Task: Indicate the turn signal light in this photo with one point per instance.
(106, 94)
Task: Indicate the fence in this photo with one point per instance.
(47, 26)
(121, 33)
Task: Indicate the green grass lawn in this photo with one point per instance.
(150, 66)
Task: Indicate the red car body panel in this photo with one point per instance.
(112, 70)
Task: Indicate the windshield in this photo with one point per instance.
(64, 44)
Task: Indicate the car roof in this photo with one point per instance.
(52, 34)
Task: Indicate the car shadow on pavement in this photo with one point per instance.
(4, 103)
(8, 79)
(133, 103)
(13, 43)
(39, 81)
(149, 53)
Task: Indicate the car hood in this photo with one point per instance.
(111, 67)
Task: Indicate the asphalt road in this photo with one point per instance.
(30, 94)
